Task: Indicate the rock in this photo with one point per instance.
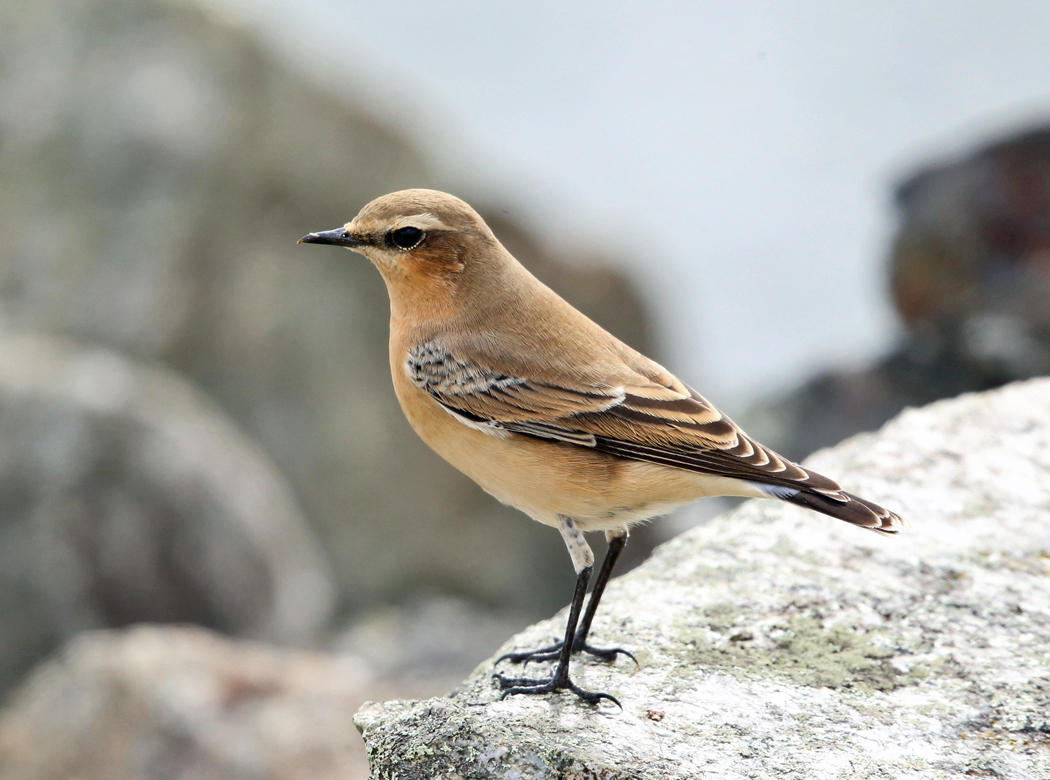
(969, 264)
(835, 404)
(427, 644)
(970, 280)
(128, 496)
(161, 164)
(779, 643)
(166, 703)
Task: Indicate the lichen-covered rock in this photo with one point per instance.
(776, 643)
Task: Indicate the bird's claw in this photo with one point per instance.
(551, 653)
(528, 685)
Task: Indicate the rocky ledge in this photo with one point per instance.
(778, 643)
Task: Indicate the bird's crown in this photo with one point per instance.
(432, 206)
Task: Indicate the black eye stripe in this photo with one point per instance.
(407, 237)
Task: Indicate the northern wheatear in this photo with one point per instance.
(546, 410)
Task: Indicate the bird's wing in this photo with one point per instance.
(650, 417)
(643, 419)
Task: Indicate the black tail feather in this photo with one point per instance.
(848, 507)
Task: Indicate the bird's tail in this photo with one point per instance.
(851, 508)
(840, 504)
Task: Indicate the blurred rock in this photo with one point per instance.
(775, 642)
(127, 496)
(427, 644)
(970, 271)
(160, 164)
(184, 704)
(837, 404)
(971, 262)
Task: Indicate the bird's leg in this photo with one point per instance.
(583, 562)
(617, 541)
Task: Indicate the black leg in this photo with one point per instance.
(616, 545)
(560, 680)
(579, 642)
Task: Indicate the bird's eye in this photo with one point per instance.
(405, 238)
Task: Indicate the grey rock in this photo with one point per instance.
(167, 703)
(129, 496)
(778, 643)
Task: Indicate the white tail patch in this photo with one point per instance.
(776, 491)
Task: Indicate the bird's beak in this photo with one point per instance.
(339, 237)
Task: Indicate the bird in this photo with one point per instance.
(549, 412)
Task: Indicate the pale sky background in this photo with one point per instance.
(742, 154)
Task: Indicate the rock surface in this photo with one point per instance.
(779, 643)
(156, 703)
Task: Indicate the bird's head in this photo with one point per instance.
(416, 235)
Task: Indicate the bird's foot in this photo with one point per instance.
(559, 682)
(551, 653)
